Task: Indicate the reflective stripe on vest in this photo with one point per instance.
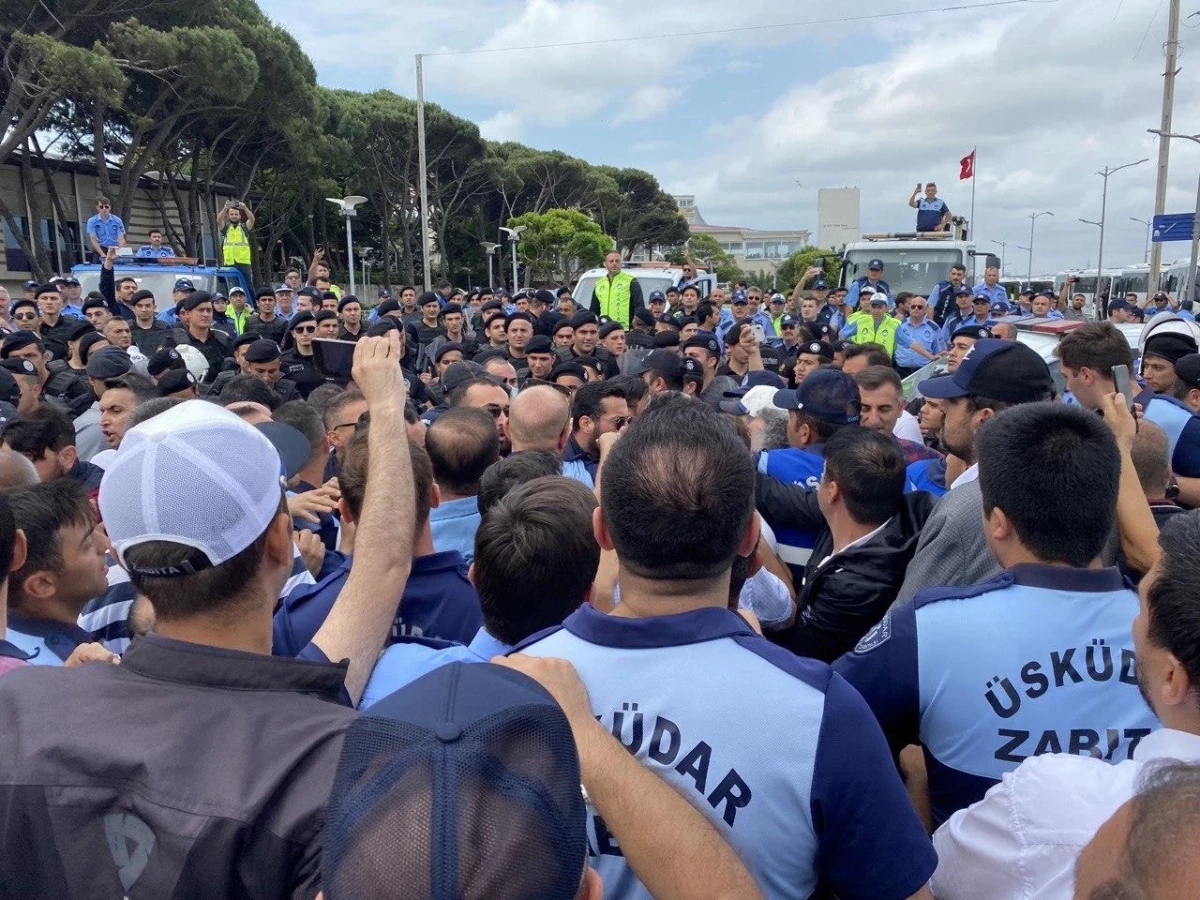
(883, 334)
(236, 246)
(614, 297)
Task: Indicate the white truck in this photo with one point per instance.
(651, 276)
(912, 261)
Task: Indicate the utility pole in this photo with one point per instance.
(1164, 144)
(1146, 254)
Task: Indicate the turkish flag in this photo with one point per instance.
(967, 169)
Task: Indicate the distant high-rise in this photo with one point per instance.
(838, 216)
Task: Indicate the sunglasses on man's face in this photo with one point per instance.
(496, 410)
(25, 317)
(305, 329)
(103, 206)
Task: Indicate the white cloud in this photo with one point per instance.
(646, 103)
(503, 126)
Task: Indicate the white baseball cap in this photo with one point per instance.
(171, 480)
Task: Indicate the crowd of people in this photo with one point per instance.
(300, 597)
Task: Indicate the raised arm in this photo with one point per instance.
(247, 216)
(671, 847)
(361, 618)
(223, 215)
(912, 201)
(108, 281)
(318, 258)
(1135, 522)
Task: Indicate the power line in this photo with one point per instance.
(744, 28)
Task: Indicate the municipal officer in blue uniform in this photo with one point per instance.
(932, 212)
(873, 279)
(981, 314)
(918, 340)
(780, 755)
(438, 602)
(1039, 659)
(991, 287)
(961, 312)
(825, 401)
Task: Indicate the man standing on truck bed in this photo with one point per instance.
(236, 219)
(932, 212)
(618, 295)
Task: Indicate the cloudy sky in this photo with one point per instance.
(754, 121)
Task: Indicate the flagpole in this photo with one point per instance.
(974, 170)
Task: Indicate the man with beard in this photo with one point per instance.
(598, 409)
(585, 344)
(484, 392)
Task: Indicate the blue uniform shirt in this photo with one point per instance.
(48, 642)
(927, 475)
(974, 322)
(794, 774)
(1182, 428)
(1037, 660)
(995, 293)
(927, 334)
(148, 252)
(410, 658)
(107, 232)
(857, 285)
(438, 602)
(802, 467)
(454, 524)
(930, 213)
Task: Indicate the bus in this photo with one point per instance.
(1133, 279)
(1037, 284)
(1174, 280)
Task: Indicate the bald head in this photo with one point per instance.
(539, 419)
(16, 471)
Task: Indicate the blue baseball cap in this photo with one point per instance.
(284, 289)
(659, 296)
(478, 750)
(762, 378)
(740, 297)
(184, 284)
(820, 285)
(828, 395)
(876, 264)
(789, 321)
(1000, 308)
(994, 368)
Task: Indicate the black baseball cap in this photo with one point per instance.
(657, 295)
(666, 362)
(998, 369)
(1187, 369)
(828, 395)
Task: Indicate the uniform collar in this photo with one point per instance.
(1064, 578)
(46, 628)
(485, 646)
(437, 562)
(164, 659)
(1169, 743)
(693, 627)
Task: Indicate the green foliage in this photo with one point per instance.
(705, 252)
(793, 268)
(559, 244)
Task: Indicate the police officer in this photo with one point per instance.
(264, 362)
(918, 340)
(196, 316)
(825, 401)
(942, 297)
(1040, 658)
(618, 294)
(299, 363)
(873, 279)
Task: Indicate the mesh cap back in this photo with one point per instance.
(463, 784)
(172, 480)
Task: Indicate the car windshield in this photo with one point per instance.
(916, 270)
(161, 283)
(649, 283)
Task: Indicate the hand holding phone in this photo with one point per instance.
(1124, 382)
(760, 335)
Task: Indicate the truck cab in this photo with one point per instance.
(651, 276)
(912, 261)
(159, 276)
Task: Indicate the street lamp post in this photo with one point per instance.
(1104, 173)
(346, 207)
(1190, 286)
(514, 237)
(491, 253)
(1146, 255)
(1102, 310)
(1033, 217)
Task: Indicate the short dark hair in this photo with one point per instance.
(248, 389)
(127, 278)
(1172, 604)
(819, 427)
(678, 492)
(634, 387)
(872, 378)
(322, 395)
(589, 399)
(142, 388)
(43, 429)
(461, 444)
(1151, 454)
(1097, 345)
(456, 397)
(148, 409)
(203, 591)
(308, 422)
(512, 471)
(876, 354)
(1053, 469)
(41, 511)
(333, 409)
(352, 476)
(870, 472)
(535, 557)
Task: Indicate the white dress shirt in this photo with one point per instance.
(908, 428)
(1021, 840)
(971, 473)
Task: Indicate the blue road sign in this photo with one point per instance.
(1173, 227)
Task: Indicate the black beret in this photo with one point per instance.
(429, 297)
(382, 326)
(568, 368)
(81, 329)
(243, 339)
(50, 288)
(562, 324)
(390, 305)
(176, 380)
(311, 292)
(490, 305)
(301, 318)
(94, 303)
(111, 362)
(584, 317)
(87, 342)
(262, 351)
(346, 300)
(444, 349)
(666, 339)
(194, 299)
(324, 315)
(19, 366)
(608, 329)
(539, 343)
(18, 340)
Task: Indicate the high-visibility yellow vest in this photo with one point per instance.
(883, 334)
(236, 246)
(614, 297)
